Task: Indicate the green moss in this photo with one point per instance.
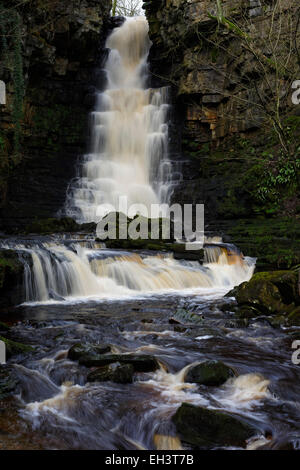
(13, 348)
(294, 317)
(274, 242)
(206, 428)
(268, 293)
(55, 225)
(10, 267)
(4, 326)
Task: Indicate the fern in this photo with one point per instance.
(221, 19)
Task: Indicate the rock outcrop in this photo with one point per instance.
(211, 373)
(222, 132)
(55, 70)
(11, 279)
(205, 428)
(273, 294)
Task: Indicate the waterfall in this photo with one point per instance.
(127, 157)
(129, 134)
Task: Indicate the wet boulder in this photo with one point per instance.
(14, 348)
(205, 428)
(115, 372)
(211, 373)
(140, 362)
(267, 293)
(153, 231)
(79, 350)
(8, 381)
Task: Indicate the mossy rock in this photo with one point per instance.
(267, 293)
(140, 362)
(212, 373)
(115, 372)
(294, 317)
(285, 281)
(11, 278)
(10, 266)
(205, 428)
(13, 348)
(79, 350)
(274, 242)
(55, 225)
(115, 225)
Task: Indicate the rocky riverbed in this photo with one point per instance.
(159, 372)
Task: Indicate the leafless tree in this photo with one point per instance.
(127, 8)
(270, 43)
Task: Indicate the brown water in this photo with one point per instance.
(60, 410)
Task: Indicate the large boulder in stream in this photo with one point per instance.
(212, 373)
(119, 230)
(140, 362)
(14, 348)
(115, 372)
(79, 350)
(205, 428)
(268, 293)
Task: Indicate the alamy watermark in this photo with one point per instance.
(2, 92)
(155, 222)
(2, 352)
(296, 94)
(296, 354)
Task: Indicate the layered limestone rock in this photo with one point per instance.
(205, 68)
(228, 150)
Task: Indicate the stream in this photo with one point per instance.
(67, 412)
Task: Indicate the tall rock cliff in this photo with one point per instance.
(230, 65)
(50, 56)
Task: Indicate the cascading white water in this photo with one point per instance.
(59, 272)
(129, 134)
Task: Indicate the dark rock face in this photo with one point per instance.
(14, 348)
(8, 382)
(58, 225)
(140, 363)
(11, 278)
(115, 372)
(218, 131)
(211, 373)
(204, 428)
(62, 51)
